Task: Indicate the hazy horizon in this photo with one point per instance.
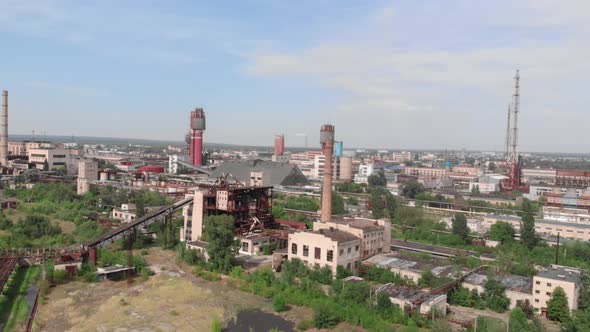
(418, 75)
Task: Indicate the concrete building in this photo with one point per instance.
(375, 235)
(55, 157)
(407, 296)
(325, 247)
(87, 173)
(436, 172)
(543, 227)
(279, 145)
(346, 173)
(319, 165)
(305, 161)
(253, 244)
(126, 213)
(400, 157)
(566, 215)
(548, 279)
(260, 179)
(484, 188)
(538, 289)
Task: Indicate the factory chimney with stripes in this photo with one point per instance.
(196, 136)
(4, 134)
(327, 141)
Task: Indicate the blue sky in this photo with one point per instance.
(387, 74)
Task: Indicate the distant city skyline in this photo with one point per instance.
(387, 74)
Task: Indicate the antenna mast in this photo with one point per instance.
(516, 104)
(508, 140)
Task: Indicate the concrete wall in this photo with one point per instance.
(344, 254)
(544, 287)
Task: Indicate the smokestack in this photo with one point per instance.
(4, 134)
(196, 139)
(327, 140)
(279, 145)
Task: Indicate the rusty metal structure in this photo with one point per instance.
(250, 206)
(4, 130)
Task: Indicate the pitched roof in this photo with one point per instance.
(281, 174)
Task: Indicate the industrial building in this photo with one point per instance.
(87, 174)
(536, 290)
(276, 174)
(413, 298)
(126, 213)
(325, 248)
(54, 156)
(250, 206)
(543, 227)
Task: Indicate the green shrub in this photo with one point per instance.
(216, 325)
(279, 303)
(61, 276)
(144, 252)
(304, 325)
(325, 317)
(90, 277)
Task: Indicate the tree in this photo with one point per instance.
(412, 188)
(557, 306)
(527, 226)
(492, 166)
(377, 179)
(384, 304)
(356, 292)
(580, 322)
(519, 322)
(383, 203)
(45, 165)
(460, 227)
(475, 190)
(337, 204)
(502, 231)
(494, 296)
(219, 232)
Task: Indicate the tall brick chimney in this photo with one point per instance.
(327, 140)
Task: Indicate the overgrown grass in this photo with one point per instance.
(13, 304)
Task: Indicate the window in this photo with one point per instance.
(341, 252)
(348, 266)
(294, 248)
(330, 255)
(537, 292)
(318, 253)
(356, 248)
(548, 284)
(245, 246)
(537, 300)
(548, 293)
(349, 250)
(538, 282)
(305, 250)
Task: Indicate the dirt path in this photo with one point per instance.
(172, 300)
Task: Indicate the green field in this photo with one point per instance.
(13, 304)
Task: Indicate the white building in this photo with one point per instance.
(55, 157)
(127, 213)
(326, 247)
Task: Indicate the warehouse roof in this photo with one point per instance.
(281, 174)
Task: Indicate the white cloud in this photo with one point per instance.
(453, 85)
